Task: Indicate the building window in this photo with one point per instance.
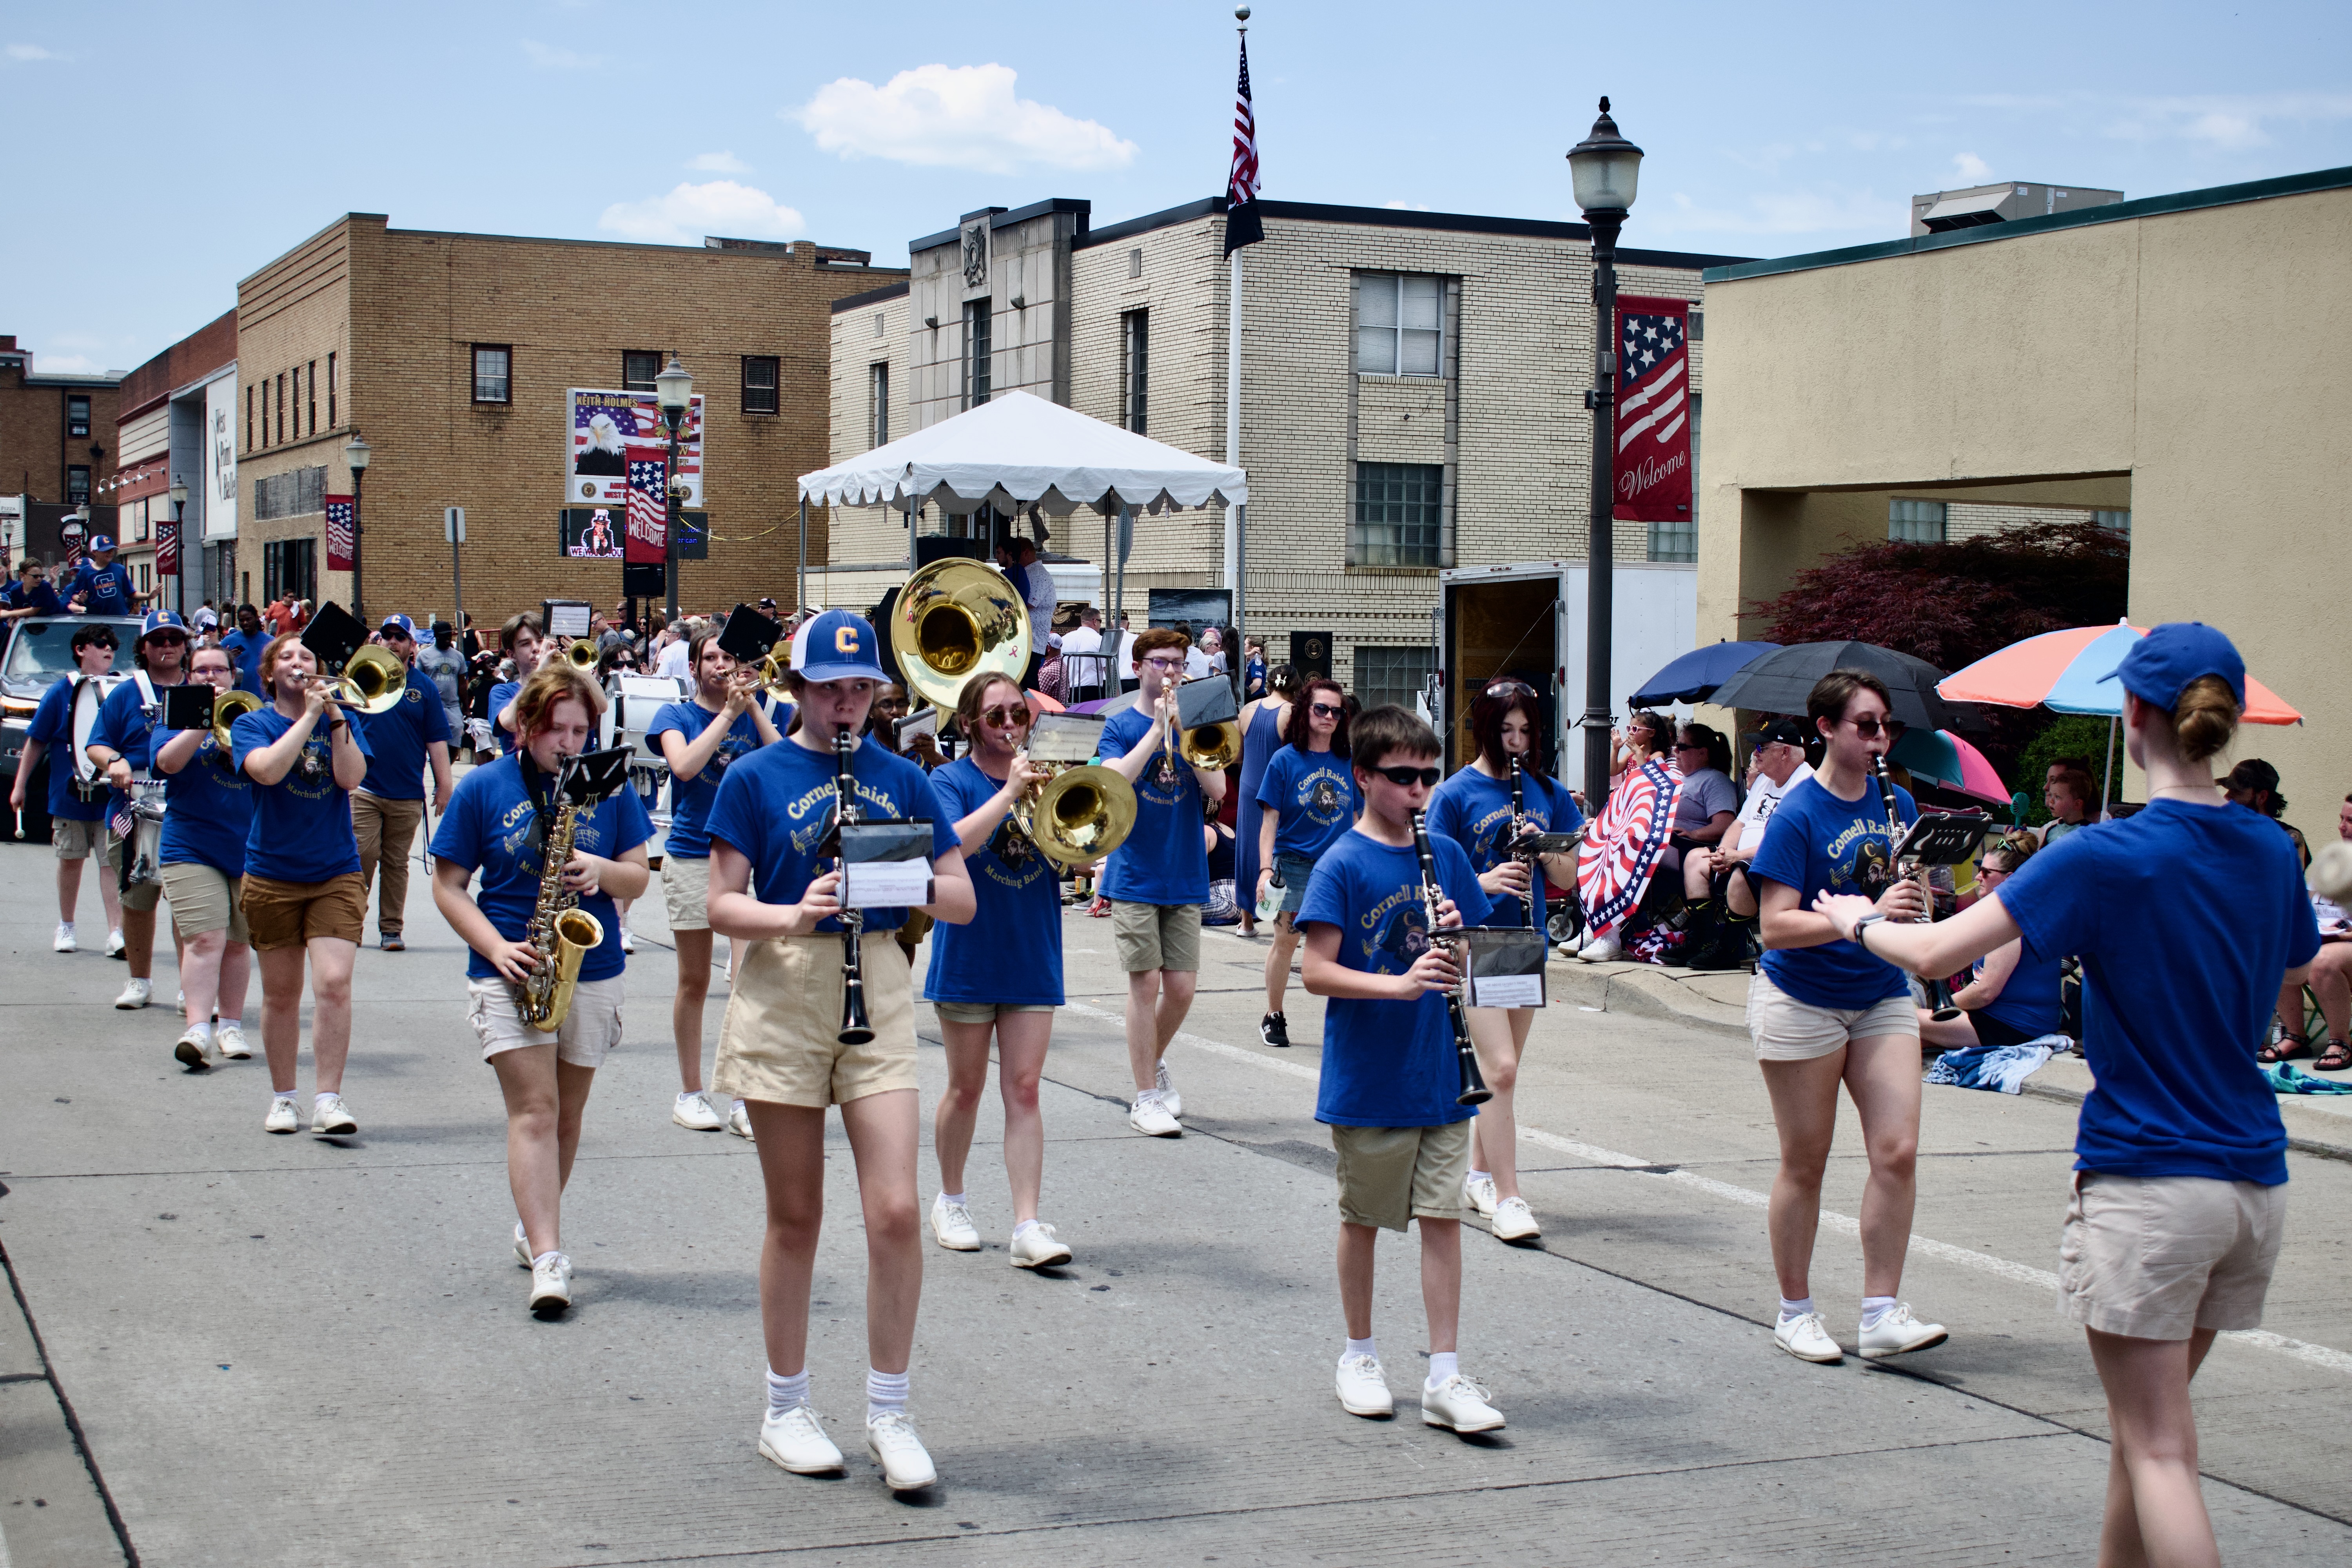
(296, 376)
(332, 420)
(1395, 675)
(281, 406)
(492, 382)
(979, 359)
(248, 416)
(138, 520)
(290, 566)
(1915, 521)
(1135, 370)
(638, 368)
(297, 492)
(1135, 263)
(2118, 520)
(78, 416)
(1400, 515)
(878, 395)
(313, 401)
(760, 374)
(1675, 540)
(77, 485)
(879, 329)
(1697, 332)
(1400, 324)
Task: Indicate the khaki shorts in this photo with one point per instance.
(289, 914)
(74, 838)
(982, 1011)
(591, 1027)
(686, 891)
(1156, 936)
(1391, 1175)
(205, 898)
(780, 1040)
(1787, 1030)
(2154, 1257)
(140, 896)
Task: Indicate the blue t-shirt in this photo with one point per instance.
(1010, 954)
(208, 812)
(302, 823)
(775, 807)
(1387, 1064)
(2028, 1001)
(689, 799)
(43, 599)
(246, 651)
(1474, 811)
(109, 591)
(2185, 917)
(397, 740)
(53, 727)
(1314, 792)
(1165, 859)
(501, 695)
(492, 827)
(1820, 843)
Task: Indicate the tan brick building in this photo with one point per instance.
(162, 433)
(1469, 400)
(57, 444)
(452, 354)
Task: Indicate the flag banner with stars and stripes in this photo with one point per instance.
(645, 535)
(167, 548)
(1628, 837)
(1653, 431)
(606, 430)
(1242, 224)
(339, 533)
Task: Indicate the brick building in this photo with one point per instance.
(1412, 397)
(169, 408)
(452, 353)
(57, 444)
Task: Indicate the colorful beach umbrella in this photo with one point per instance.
(1620, 852)
(2064, 671)
(1941, 757)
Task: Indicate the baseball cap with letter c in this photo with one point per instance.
(836, 646)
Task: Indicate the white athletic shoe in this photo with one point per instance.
(796, 1441)
(550, 1285)
(1460, 1405)
(1806, 1338)
(229, 1040)
(1039, 1247)
(195, 1047)
(628, 940)
(952, 1226)
(1478, 1192)
(694, 1112)
(906, 1463)
(1602, 950)
(64, 941)
(1167, 1095)
(115, 943)
(1898, 1332)
(1514, 1221)
(285, 1116)
(739, 1122)
(331, 1116)
(179, 1002)
(522, 1246)
(1363, 1389)
(136, 994)
(1150, 1118)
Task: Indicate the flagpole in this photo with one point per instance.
(1237, 514)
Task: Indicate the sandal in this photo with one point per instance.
(2290, 1047)
(2335, 1058)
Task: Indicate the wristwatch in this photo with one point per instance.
(1863, 925)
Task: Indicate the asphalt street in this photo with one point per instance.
(240, 1349)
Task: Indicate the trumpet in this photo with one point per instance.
(580, 654)
(370, 681)
(228, 707)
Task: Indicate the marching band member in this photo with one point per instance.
(1474, 809)
(302, 894)
(1307, 799)
(780, 1050)
(246, 644)
(521, 640)
(390, 802)
(100, 585)
(119, 746)
(30, 594)
(205, 833)
(1000, 975)
(77, 825)
(702, 738)
(496, 824)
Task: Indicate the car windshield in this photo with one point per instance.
(43, 650)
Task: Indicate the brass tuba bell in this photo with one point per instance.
(580, 654)
(373, 680)
(1078, 816)
(956, 619)
(228, 707)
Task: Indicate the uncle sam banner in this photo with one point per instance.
(608, 429)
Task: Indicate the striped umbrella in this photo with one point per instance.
(1620, 852)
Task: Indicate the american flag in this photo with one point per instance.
(1653, 412)
(1242, 224)
(339, 533)
(648, 504)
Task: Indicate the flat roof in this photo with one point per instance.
(1398, 217)
(1002, 217)
(2019, 228)
(871, 296)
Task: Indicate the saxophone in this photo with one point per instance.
(562, 931)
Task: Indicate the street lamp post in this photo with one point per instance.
(1604, 168)
(673, 391)
(356, 453)
(179, 494)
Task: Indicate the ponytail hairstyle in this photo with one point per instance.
(2205, 719)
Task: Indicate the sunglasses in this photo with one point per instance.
(1868, 729)
(1508, 688)
(1325, 710)
(169, 639)
(1690, 746)
(1005, 718)
(1407, 777)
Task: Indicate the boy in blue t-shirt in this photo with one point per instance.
(76, 815)
(1388, 1079)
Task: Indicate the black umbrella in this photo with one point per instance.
(1781, 681)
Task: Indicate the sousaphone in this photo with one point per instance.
(956, 619)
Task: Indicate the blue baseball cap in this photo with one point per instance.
(837, 646)
(401, 624)
(2161, 665)
(157, 620)
(100, 541)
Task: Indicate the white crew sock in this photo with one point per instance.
(691, 1094)
(287, 1095)
(786, 1394)
(66, 926)
(1481, 1175)
(1443, 1364)
(1874, 1307)
(886, 1392)
(203, 1031)
(543, 1256)
(323, 1096)
(1024, 1226)
(949, 1197)
(1370, 1347)
(1792, 1310)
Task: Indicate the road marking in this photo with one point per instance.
(1845, 1224)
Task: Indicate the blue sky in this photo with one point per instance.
(173, 149)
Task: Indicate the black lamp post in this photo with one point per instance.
(673, 391)
(356, 453)
(179, 494)
(1604, 168)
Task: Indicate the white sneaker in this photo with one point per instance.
(229, 1040)
(522, 1246)
(195, 1047)
(1460, 1405)
(1150, 1118)
(1363, 1390)
(1478, 1192)
(629, 945)
(115, 943)
(694, 1112)
(797, 1442)
(1039, 1247)
(906, 1463)
(331, 1116)
(1898, 1332)
(739, 1122)
(1514, 1221)
(285, 1116)
(136, 994)
(1602, 950)
(1167, 1095)
(550, 1285)
(952, 1226)
(179, 1002)
(1806, 1338)
(64, 941)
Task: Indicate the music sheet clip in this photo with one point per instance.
(1507, 966)
(1208, 701)
(924, 722)
(885, 864)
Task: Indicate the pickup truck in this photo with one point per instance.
(39, 655)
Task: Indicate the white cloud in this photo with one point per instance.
(718, 163)
(66, 364)
(548, 57)
(1408, 206)
(29, 52)
(1970, 170)
(1785, 212)
(2222, 123)
(955, 117)
(690, 212)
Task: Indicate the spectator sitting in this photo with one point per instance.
(2013, 996)
(1709, 799)
(2254, 783)
(1776, 765)
(2067, 793)
(2330, 979)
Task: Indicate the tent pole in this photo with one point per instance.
(2107, 789)
(800, 576)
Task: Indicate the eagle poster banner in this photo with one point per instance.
(1653, 405)
(611, 435)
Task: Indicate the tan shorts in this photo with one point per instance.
(1156, 936)
(982, 1011)
(1787, 1030)
(289, 914)
(780, 1040)
(590, 1028)
(205, 898)
(2154, 1257)
(1391, 1175)
(75, 839)
(686, 891)
(140, 896)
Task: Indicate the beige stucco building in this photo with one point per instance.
(2185, 359)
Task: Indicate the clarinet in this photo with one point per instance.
(1939, 1001)
(1519, 826)
(1465, 1056)
(856, 1029)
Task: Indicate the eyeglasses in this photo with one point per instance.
(1868, 729)
(1175, 662)
(1005, 718)
(1409, 776)
(1325, 710)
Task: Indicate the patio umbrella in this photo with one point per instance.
(1621, 850)
(1943, 758)
(1781, 681)
(1694, 677)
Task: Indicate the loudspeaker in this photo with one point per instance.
(645, 579)
(930, 547)
(1310, 653)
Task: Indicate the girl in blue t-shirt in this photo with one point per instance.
(2013, 995)
(2187, 916)
(1307, 799)
(210, 816)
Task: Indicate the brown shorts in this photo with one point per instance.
(1156, 936)
(204, 899)
(780, 1040)
(983, 1012)
(2155, 1257)
(289, 914)
(1391, 1175)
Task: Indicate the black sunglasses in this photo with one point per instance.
(1868, 728)
(1508, 688)
(1409, 776)
(1325, 710)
